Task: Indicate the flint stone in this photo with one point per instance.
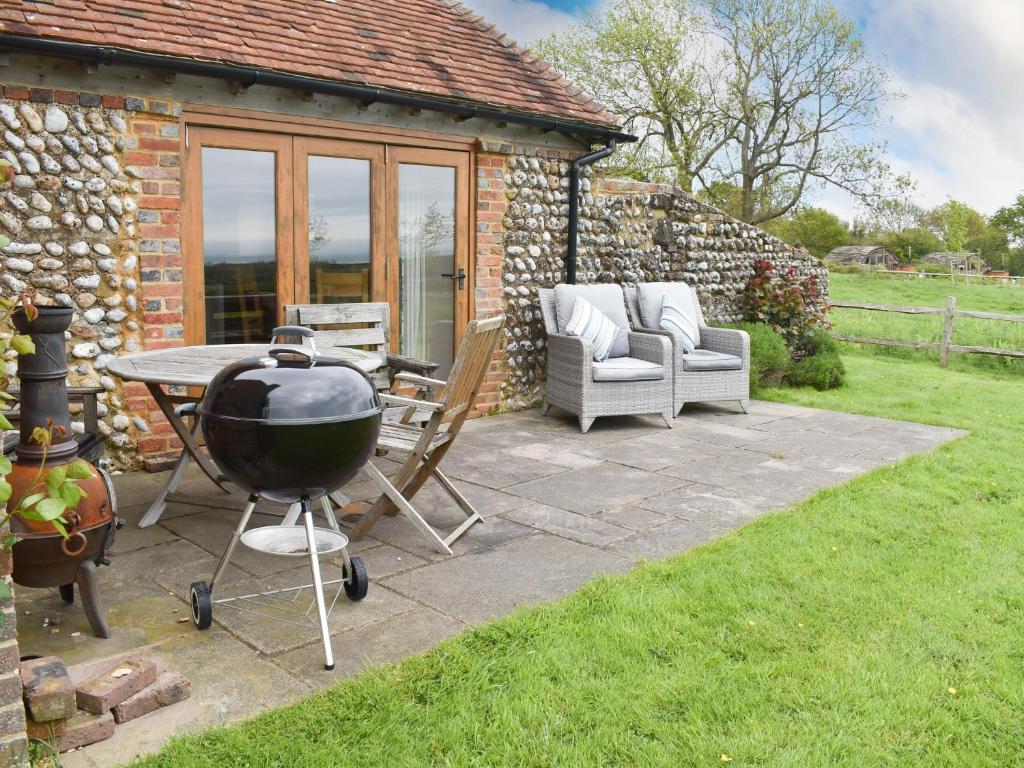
(93, 315)
(19, 265)
(81, 248)
(16, 285)
(14, 140)
(88, 281)
(9, 117)
(40, 203)
(86, 350)
(54, 249)
(39, 222)
(31, 117)
(10, 222)
(94, 222)
(24, 249)
(24, 182)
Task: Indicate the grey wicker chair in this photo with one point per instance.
(707, 375)
(576, 383)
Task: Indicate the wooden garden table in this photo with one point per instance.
(196, 367)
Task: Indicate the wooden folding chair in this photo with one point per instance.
(424, 444)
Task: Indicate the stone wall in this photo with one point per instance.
(628, 232)
(92, 216)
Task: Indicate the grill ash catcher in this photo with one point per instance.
(289, 427)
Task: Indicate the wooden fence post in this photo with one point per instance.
(947, 332)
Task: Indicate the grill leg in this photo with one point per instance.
(318, 586)
(226, 558)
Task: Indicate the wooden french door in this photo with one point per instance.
(428, 250)
(274, 219)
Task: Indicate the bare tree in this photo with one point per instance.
(646, 61)
(801, 91)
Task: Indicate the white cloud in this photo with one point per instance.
(958, 64)
(523, 20)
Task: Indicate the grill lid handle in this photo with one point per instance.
(293, 330)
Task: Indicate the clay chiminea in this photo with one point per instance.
(44, 558)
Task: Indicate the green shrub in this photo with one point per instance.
(769, 357)
(816, 362)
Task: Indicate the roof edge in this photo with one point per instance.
(249, 76)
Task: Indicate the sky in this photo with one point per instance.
(959, 65)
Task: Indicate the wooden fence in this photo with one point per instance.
(945, 346)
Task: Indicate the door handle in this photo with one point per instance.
(460, 276)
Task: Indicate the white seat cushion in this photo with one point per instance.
(628, 369)
(706, 360)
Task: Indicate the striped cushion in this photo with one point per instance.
(680, 324)
(590, 323)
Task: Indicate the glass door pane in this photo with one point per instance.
(239, 244)
(428, 277)
(339, 229)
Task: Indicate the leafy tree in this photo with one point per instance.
(816, 229)
(911, 244)
(955, 223)
(1010, 220)
(643, 60)
(769, 96)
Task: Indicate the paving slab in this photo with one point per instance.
(483, 585)
(666, 540)
(570, 525)
(493, 469)
(595, 489)
(382, 642)
(634, 518)
(651, 452)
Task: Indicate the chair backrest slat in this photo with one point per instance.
(470, 366)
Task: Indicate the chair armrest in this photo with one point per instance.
(422, 405)
(570, 351)
(398, 363)
(728, 341)
(652, 347)
(419, 381)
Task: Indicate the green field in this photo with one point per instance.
(883, 289)
(877, 624)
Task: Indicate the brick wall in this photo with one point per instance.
(13, 741)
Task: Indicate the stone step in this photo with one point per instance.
(117, 683)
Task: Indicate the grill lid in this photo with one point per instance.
(290, 385)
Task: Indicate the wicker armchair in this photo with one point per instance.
(571, 370)
(723, 379)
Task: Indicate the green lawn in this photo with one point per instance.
(878, 624)
(901, 291)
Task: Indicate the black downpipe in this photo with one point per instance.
(574, 204)
(249, 76)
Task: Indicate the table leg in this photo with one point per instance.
(156, 509)
(186, 436)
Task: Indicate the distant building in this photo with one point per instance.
(862, 255)
(954, 261)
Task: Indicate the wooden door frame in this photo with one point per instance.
(464, 199)
(194, 286)
(292, 142)
(303, 147)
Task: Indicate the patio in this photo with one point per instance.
(561, 507)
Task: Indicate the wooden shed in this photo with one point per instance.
(954, 261)
(862, 255)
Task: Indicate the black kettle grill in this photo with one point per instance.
(290, 427)
(290, 424)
